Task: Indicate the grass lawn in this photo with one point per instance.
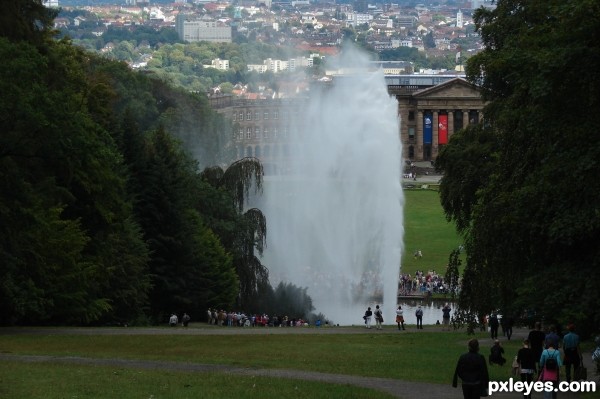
(424, 356)
(426, 228)
(60, 381)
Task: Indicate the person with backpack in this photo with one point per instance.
(550, 363)
(378, 317)
(367, 317)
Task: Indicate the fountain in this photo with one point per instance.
(335, 221)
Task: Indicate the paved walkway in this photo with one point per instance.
(396, 388)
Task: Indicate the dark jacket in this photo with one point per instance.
(526, 359)
(472, 370)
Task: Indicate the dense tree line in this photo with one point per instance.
(109, 210)
(523, 186)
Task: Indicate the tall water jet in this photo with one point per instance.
(335, 218)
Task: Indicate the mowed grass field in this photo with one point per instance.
(426, 229)
(425, 356)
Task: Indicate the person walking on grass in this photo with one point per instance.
(527, 362)
(550, 363)
(472, 370)
(536, 339)
(572, 352)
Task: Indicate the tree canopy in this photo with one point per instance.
(105, 215)
(523, 186)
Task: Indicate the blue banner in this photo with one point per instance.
(427, 128)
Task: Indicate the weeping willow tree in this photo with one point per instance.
(243, 233)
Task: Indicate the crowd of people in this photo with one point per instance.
(541, 357)
(421, 282)
(241, 319)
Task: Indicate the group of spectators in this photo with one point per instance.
(422, 282)
(241, 319)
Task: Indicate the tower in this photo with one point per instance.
(459, 19)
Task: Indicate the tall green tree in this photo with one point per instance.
(533, 224)
(190, 268)
(64, 179)
(242, 232)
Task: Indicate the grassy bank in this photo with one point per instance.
(426, 228)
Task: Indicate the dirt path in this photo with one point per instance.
(397, 388)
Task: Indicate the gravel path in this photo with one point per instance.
(394, 387)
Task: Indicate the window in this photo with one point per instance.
(235, 116)
(458, 121)
(241, 117)
(411, 132)
(411, 152)
(275, 114)
(241, 133)
(257, 132)
(248, 151)
(248, 116)
(275, 132)
(473, 117)
(266, 115)
(266, 133)
(249, 133)
(256, 115)
(257, 152)
(411, 115)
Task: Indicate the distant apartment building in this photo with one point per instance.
(190, 29)
(217, 63)
(356, 19)
(50, 3)
(402, 43)
(407, 22)
(276, 66)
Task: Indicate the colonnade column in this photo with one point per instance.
(450, 123)
(419, 135)
(436, 131)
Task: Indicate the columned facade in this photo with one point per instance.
(429, 117)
